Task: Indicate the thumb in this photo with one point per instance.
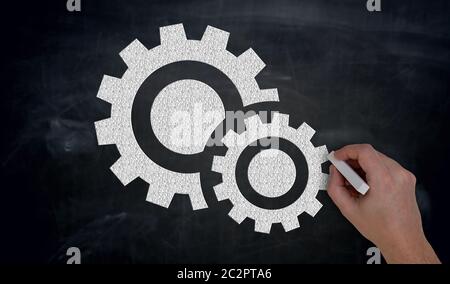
(340, 194)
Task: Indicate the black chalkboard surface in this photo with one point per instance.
(355, 76)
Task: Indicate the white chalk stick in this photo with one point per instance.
(350, 175)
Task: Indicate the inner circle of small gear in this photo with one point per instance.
(121, 92)
(243, 208)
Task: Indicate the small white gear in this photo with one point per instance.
(121, 92)
(243, 208)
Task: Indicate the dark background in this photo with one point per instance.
(380, 78)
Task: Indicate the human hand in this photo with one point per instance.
(388, 215)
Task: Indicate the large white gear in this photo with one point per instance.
(243, 208)
(121, 92)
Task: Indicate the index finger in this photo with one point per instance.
(366, 156)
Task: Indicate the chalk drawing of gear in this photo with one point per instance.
(121, 92)
(280, 166)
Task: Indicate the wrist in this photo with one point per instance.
(410, 249)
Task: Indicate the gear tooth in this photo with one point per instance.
(133, 53)
(323, 181)
(124, 171)
(218, 164)
(159, 196)
(269, 95)
(221, 192)
(215, 38)
(251, 62)
(313, 206)
(322, 154)
(262, 227)
(306, 131)
(197, 201)
(109, 88)
(172, 35)
(253, 122)
(105, 130)
(291, 224)
(231, 139)
(280, 119)
(236, 215)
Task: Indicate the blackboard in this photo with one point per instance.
(355, 76)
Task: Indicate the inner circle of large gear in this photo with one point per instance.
(243, 208)
(121, 92)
